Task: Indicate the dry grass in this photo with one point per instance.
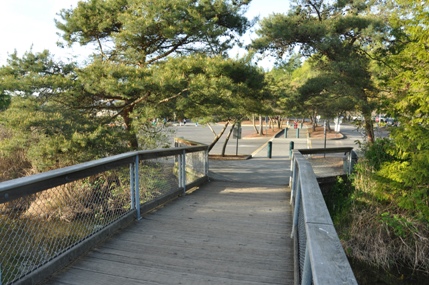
(319, 133)
(373, 241)
(378, 232)
(15, 166)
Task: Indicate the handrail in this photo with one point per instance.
(16, 188)
(88, 201)
(319, 256)
(326, 150)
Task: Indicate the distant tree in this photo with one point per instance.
(336, 35)
(282, 86)
(217, 89)
(4, 100)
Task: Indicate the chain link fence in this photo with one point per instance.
(46, 215)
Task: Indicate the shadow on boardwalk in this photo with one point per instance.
(233, 230)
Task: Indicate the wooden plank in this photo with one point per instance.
(79, 277)
(314, 205)
(223, 233)
(328, 261)
(324, 150)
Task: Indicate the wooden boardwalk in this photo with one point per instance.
(222, 233)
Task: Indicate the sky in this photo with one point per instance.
(30, 23)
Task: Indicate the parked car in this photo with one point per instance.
(392, 122)
(381, 119)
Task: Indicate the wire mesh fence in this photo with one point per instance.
(196, 166)
(302, 240)
(158, 177)
(38, 227)
(44, 216)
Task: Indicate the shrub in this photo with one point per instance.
(386, 224)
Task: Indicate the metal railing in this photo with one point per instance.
(319, 256)
(49, 219)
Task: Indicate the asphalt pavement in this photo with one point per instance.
(259, 169)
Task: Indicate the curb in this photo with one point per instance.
(265, 144)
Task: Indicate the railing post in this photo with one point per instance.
(286, 129)
(307, 277)
(132, 186)
(292, 178)
(270, 149)
(206, 162)
(179, 169)
(296, 208)
(182, 171)
(137, 186)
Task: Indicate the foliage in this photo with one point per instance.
(150, 60)
(226, 89)
(388, 218)
(51, 136)
(378, 153)
(338, 37)
(136, 39)
(281, 86)
(338, 200)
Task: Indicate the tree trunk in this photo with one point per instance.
(132, 137)
(328, 126)
(254, 124)
(216, 139)
(227, 139)
(270, 122)
(261, 127)
(369, 129)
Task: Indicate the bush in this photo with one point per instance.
(387, 223)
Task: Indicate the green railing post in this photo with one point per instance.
(297, 133)
(291, 145)
(270, 148)
(286, 129)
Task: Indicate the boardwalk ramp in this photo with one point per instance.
(233, 230)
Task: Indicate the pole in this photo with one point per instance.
(324, 133)
(270, 148)
(237, 133)
(291, 145)
(236, 146)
